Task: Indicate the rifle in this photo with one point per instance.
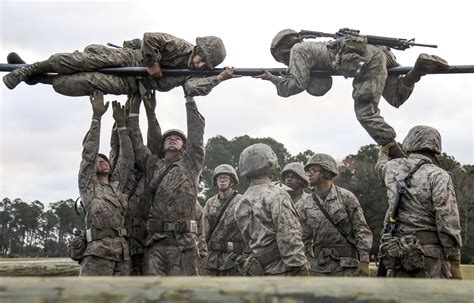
(391, 226)
(395, 43)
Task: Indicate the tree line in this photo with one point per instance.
(29, 230)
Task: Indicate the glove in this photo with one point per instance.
(455, 262)
(134, 101)
(149, 100)
(384, 151)
(301, 271)
(363, 269)
(98, 106)
(119, 114)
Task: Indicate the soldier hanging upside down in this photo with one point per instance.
(76, 76)
(352, 57)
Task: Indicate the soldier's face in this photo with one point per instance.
(198, 63)
(314, 174)
(292, 180)
(102, 166)
(173, 142)
(223, 182)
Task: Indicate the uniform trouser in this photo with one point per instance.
(83, 84)
(222, 273)
(136, 265)
(368, 88)
(93, 57)
(338, 272)
(169, 260)
(97, 266)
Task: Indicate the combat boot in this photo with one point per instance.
(424, 64)
(14, 58)
(14, 78)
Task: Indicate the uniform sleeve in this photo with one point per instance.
(152, 47)
(307, 230)
(243, 215)
(126, 159)
(153, 134)
(446, 213)
(195, 141)
(114, 147)
(196, 86)
(87, 170)
(298, 74)
(288, 232)
(381, 166)
(142, 152)
(360, 229)
(202, 245)
(205, 220)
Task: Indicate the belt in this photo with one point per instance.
(93, 234)
(428, 237)
(182, 226)
(226, 247)
(345, 251)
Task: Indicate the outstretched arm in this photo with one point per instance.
(154, 129)
(87, 170)
(141, 151)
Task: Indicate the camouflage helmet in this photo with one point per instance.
(212, 49)
(225, 169)
(296, 168)
(173, 131)
(319, 86)
(325, 161)
(280, 42)
(422, 138)
(257, 159)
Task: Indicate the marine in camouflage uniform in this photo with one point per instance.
(77, 77)
(352, 57)
(333, 253)
(427, 243)
(220, 229)
(105, 203)
(294, 177)
(267, 218)
(171, 246)
(138, 201)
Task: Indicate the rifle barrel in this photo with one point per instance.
(141, 71)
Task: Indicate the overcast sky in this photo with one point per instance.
(41, 131)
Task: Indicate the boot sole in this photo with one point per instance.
(9, 82)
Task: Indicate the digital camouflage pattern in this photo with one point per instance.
(174, 199)
(329, 252)
(77, 77)
(105, 205)
(257, 159)
(270, 227)
(226, 240)
(428, 211)
(368, 86)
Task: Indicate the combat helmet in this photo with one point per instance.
(173, 131)
(225, 169)
(281, 45)
(422, 138)
(212, 49)
(297, 168)
(319, 86)
(325, 161)
(257, 159)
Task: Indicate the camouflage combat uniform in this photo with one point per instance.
(171, 244)
(78, 79)
(428, 211)
(138, 202)
(107, 251)
(202, 247)
(270, 226)
(226, 240)
(330, 253)
(368, 86)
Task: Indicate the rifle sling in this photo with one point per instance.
(213, 228)
(349, 238)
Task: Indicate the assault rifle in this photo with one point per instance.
(391, 226)
(395, 43)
